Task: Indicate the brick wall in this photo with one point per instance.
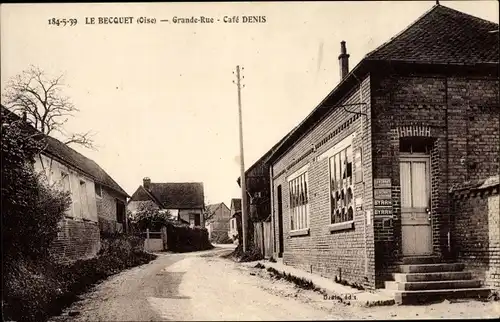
(460, 116)
(106, 210)
(476, 229)
(76, 240)
(329, 253)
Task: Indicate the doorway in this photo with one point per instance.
(280, 221)
(415, 204)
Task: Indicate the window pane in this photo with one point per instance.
(338, 166)
(343, 163)
(405, 175)
(350, 214)
(305, 189)
(349, 164)
(300, 191)
(419, 184)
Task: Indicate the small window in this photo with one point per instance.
(415, 145)
(299, 202)
(194, 219)
(98, 189)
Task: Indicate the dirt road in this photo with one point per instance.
(195, 286)
(203, 286)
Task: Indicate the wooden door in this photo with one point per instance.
(280, 222)
(415, 204)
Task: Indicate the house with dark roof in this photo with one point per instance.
(98, 202)
(184, 200)
(218, 223)
(360, 188)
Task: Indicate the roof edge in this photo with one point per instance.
(361, 69)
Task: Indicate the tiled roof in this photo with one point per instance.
(443, 35)
(440, 36)
(177, 195)
(64, 153)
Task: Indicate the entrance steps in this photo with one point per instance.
(424, 279)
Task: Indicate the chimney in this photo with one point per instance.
(146, 182)
(25, 116)
(343, 61)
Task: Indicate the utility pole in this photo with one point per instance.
(242, 162)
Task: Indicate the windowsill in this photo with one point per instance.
(341, 226)
(299, 232)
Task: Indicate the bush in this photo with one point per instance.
(36, 290)
(29, 207)
(182, 238)
(252, 254)
(221, 238)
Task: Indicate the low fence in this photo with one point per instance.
(154, 241)
(262, 238)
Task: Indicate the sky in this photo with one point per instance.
(160, 97)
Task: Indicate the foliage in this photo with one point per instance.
(36, 290)
(30, 207)
(220, 237)
(182, 238)
(150, 217)
(252, 254)
(40, 98)
(207, 214)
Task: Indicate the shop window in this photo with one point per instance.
(341, 187)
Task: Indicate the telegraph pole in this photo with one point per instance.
(242, 163)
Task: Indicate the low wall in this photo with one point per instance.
(476, 228)
(76, 240)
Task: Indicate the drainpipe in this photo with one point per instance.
(365, 223)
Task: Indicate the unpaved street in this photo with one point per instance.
(195, 286)
(203, 286)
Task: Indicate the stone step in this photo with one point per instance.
(426, 296)
(435, 276)
(433, 285)
(430, 268)
(420, 260)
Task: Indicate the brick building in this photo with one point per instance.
(362, 184)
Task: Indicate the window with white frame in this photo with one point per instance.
(341, 186)
(299, 202)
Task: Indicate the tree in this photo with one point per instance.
(149, 217)
(207, 214)
(30, 209)
(39, 98)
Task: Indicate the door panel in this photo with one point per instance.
(415, 198)
(280, 223)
